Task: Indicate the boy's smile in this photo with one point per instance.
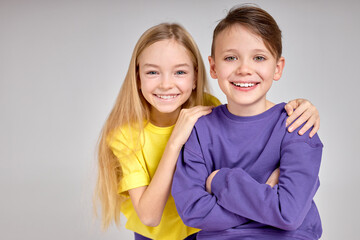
(245, 69)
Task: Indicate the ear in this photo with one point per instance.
(194, 82)
(138, 81)
(279, 68)
(212, 67)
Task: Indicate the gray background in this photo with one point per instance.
(62, 64)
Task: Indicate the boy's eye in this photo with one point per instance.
(259, 58)
(180, 72)
(232, 58)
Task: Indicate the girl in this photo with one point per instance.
(161, 98)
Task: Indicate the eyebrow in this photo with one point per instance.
(182, 65)
(150, 65)
(261, 50)
(257, 50)
(230, 50)
(156, 66)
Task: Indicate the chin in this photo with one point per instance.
(168, 109)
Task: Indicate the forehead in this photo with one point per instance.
(238, 34)
(167, 51)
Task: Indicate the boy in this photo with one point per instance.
(219, 183)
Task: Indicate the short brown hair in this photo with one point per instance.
(258, 21)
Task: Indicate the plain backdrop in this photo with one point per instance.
(62, 64)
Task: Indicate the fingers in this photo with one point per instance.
(289, 108)
(304, 116)
(306, 112)
(193, 114)
(310, 122)
(185, 123)
(293, 104)
(313, 121)
(300, 107)
(315, 128)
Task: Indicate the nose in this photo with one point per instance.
(244, 68)
(166, 82)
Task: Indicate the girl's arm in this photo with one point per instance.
(149, 201)
(304, 112)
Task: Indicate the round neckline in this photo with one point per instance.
(260, 116)
(157, 129)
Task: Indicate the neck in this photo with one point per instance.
(252, 109)
(163, 119)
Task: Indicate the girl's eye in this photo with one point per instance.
(232, 58)
(180, 72)
(151, 73)
(259, 58)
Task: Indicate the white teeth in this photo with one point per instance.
(166, 96)
(245, 85)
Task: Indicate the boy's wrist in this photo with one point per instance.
(209, 181)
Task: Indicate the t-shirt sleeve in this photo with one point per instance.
(211, 100)
(132, 163)
(284, 206)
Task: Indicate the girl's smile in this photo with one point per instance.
(167, 78)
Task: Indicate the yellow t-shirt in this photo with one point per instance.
(139, 168)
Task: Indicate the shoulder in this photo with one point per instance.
(123, 139)
(210, 100)
(295, 137)
(211, 119)
(121, 134)
(205, 126)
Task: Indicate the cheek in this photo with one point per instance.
(186, 85)
(269, 71)
(141, 81)
(266, 73)
(223, 71)
(146, 84)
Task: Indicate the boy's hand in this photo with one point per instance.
(209, 180)
(274, 178)
(305, 111)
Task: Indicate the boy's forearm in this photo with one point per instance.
(284, 206)
(196, 207)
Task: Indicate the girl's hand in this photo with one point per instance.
(209, 180)
(185, 123)
(304, 112)
(274, 178)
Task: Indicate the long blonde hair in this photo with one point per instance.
(131, 109)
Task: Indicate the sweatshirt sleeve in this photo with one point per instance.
(284, 206)
(196, 207)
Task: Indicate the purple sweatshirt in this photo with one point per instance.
(247, 150)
